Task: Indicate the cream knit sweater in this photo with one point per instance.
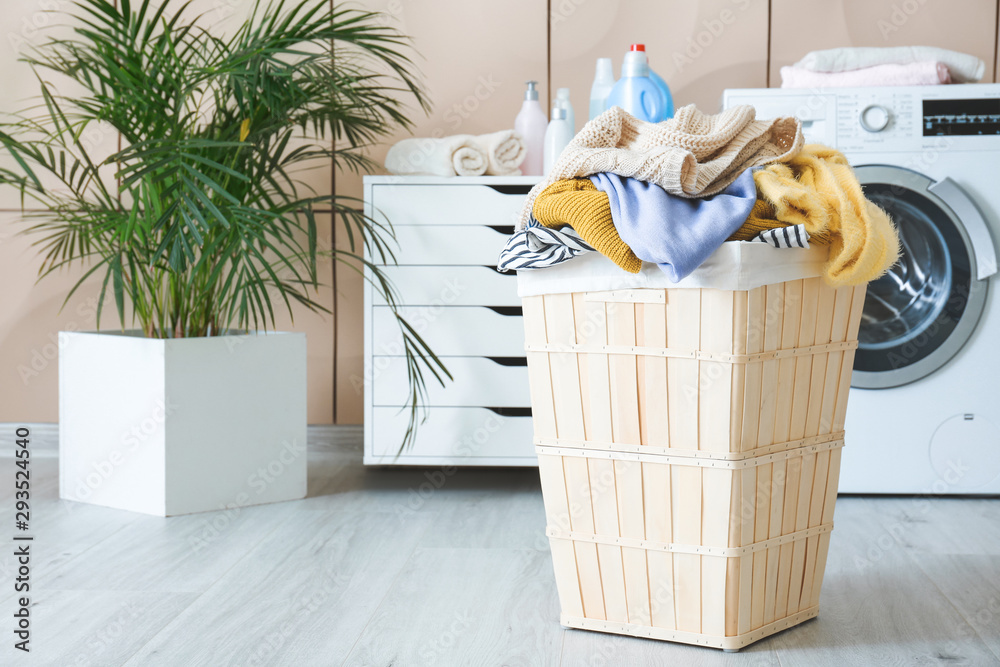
(689, 155)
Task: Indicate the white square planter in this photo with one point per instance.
(185, 425)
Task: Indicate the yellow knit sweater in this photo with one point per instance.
(578, 203)
(817, 188)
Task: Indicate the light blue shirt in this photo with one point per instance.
(676, 233)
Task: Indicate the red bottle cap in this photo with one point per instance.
(637, 47)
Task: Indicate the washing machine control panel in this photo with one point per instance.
(887, 119)
(881, 119)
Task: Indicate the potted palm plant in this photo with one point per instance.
(199, 229)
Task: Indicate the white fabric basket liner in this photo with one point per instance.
(736, 265)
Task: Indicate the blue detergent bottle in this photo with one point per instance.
(636, 92)
(668, 99)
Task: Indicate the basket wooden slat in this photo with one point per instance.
(632, 572)
(689, 485)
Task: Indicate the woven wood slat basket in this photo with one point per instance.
(689, 451)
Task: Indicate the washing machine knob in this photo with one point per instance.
(874, 118)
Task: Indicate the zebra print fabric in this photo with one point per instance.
(794, 236)
(537, 247)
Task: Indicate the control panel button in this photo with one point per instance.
(874, 118)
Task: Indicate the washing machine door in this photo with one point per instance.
(921, 313)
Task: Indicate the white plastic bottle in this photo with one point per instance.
(604, 81)
(562, 101)
(530, 124)
(557, 137)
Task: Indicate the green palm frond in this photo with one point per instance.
(200, 223)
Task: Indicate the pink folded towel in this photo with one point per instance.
(925, 73)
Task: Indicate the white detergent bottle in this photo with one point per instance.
(604, 81)
(530, 124)
(562, 101)
(557, 137)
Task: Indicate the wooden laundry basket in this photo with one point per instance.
(689, 443)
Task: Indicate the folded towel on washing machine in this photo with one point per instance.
(817, 188)
(963, 67)
(928, 73)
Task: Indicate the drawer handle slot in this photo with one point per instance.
(511, 412)
(507, 311)
(511, 189)
(509, 361)
(506, 230)
(494, 269)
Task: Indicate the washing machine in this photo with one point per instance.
(924, 410)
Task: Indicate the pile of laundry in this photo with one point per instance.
(672, 192)
(882, 66)
(495, 154)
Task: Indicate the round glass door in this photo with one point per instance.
(921, 313)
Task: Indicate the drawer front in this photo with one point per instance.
(454, 433)
(478, 381)
(483, 205)
(455, 246)
(451, 286)
(458, 331)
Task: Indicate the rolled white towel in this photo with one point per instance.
(457, 155)
(963, 67)
(504, 152)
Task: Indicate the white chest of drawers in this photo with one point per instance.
(450, 231)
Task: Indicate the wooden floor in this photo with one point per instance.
(418, 567)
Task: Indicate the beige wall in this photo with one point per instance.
(475, 57)
(29, 313)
